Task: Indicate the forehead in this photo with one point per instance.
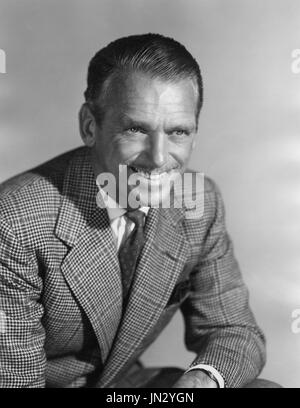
(139, 93)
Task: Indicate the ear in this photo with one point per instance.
(87, 125)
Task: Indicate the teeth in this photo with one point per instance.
(149, 175)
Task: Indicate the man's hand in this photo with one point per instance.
(195, 379)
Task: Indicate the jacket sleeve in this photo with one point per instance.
(220, 326)
(22, 357)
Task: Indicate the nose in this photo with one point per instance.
(158, 153)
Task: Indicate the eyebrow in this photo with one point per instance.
(187, 127)
(131, 121)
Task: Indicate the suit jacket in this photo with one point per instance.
(62, 323)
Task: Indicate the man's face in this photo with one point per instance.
(149, 125)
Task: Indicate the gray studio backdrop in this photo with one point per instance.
(248, 136)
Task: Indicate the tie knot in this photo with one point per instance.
(136, 216)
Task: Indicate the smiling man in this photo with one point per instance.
(89, 280)
(150, 120)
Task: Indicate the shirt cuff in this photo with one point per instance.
(212, 370)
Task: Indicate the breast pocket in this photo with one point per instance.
(180, 292)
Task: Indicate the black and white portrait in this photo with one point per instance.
(149, 193)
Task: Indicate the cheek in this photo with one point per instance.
(182, 151)
(129, 149)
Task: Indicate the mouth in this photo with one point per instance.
(153, 175)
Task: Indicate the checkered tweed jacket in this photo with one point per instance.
(61, 316)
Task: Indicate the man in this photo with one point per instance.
(86, 285)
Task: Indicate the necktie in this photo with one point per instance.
(130, 250)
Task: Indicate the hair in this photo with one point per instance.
(153, 54)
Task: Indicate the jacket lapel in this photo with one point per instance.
(91, 267)
(163, 258)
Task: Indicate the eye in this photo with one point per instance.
(135, 129)
(179, 132)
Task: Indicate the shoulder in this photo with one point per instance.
(204, 225)
(202, 196)
(35, 191)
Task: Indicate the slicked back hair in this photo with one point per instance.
(153, 54)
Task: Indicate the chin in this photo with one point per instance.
(152, 191)
(149, 197)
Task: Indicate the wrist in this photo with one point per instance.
(203, 378)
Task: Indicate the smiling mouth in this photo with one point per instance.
(151, 175)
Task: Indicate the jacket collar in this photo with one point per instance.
(78, 198)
